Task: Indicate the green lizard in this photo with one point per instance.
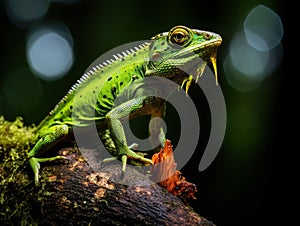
(166, 55)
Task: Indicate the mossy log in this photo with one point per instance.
(71, 192)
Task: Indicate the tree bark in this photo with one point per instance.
(71, 192)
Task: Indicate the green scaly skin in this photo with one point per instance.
(93, 97)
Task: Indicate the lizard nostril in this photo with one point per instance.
(207, 36)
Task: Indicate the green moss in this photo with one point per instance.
(15, 141)
(15, 181)
(15, 133)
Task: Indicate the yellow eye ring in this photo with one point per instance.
(180, 36)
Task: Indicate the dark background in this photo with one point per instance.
(247, 183)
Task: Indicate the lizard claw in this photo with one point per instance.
(35, 165)
(129, 154)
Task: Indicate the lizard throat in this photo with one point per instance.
(199, 71)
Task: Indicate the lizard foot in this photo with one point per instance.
(129, 154)
(35, 165)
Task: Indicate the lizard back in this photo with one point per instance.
(93, 95)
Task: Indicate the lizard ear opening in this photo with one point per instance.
(155, 57)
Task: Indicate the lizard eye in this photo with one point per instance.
(179, 36)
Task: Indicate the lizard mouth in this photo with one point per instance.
(207, 53)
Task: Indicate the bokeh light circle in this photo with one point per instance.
(49, 54)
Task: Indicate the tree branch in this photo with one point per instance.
(71, 192)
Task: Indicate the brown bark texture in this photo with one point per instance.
(80, 191)
(72, 193)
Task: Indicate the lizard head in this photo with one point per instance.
(182, 54)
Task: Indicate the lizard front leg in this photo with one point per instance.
(132, 108)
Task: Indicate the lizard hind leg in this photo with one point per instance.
(35, 165)
(53, 136)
